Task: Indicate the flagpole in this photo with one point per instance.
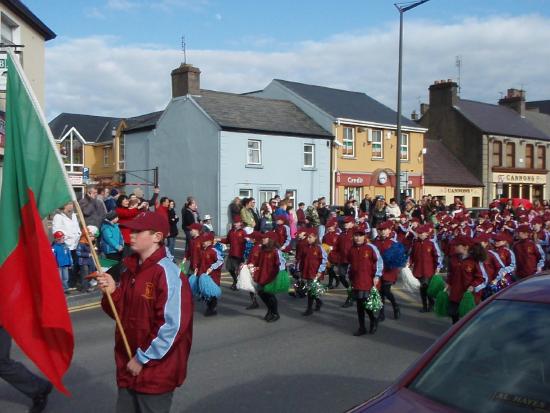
(46, 127)
(98, 266)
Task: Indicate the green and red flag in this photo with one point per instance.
(33, 308)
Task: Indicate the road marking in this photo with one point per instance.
(83, 307)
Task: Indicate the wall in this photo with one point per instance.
(281, 169)
(137, 155)
(33, 56)
(449, 193)
(99, 168)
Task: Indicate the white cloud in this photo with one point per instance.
(122, 5)
(497, 53)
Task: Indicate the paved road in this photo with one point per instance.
(240, 363)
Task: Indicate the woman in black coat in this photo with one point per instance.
(189, 216)
(173, 220)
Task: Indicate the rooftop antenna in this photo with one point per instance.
(183, 49)
(458, 63)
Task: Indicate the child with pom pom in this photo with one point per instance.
(312, 267)
(210, 263)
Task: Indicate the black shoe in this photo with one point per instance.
(39, 402)
(210, 312)
(309, 311)
(234, 286)
(318, 305)
(347, 304)
(253, 306)
(373, 327)
(268, 315)
(396, 312)
(360, 332)
(274, 317)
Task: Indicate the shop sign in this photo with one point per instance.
(358, 180)
(75, 179)
(519, 178)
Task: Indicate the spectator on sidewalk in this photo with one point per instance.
(92, 208)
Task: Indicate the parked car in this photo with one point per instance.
(496, 359)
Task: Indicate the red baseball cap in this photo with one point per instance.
(524, 228)
(207, 236)
(462, 240)
(349, 219)
(149, 221)
(58, 234)
(385, 225)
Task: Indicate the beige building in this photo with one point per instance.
(26, 35)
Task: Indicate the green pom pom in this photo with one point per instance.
(280, 284)
(374, 301)
(441, 308)
(436, 285)
(466, 304)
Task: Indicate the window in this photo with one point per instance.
(495, 363)
(266, 195)
(497, 153)
(354, 192)
(291, 194)
(510, 155)
(404, 147)
(349, 142)
(529, 156)
(121, 152)
(72, 152)
(476, 202)
(8, 30)
(377, 144)
(254, 152)
(106, 156)
(309, 155)
(245, 193)
(541, 157)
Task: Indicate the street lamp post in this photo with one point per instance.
(402, 8)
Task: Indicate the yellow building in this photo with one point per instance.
(364, 155)
(92, 148)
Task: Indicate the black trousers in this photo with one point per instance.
(342, 271)
(232, 265)
(270, 301)
(453, 311)
(74, 274)
(16, 373)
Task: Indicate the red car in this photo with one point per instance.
(496, 359)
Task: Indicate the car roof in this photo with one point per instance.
(534, 289)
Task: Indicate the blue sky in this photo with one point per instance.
(244, 25)
(114, 57)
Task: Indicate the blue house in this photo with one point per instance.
(216, 146)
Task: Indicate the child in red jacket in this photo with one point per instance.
(210, 263)
(365, 270)
(193, 252)
(236, 240)
(312, 267)
(529, 255)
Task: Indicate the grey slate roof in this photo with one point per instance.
(94, 129)
(346, 104)
(27, 15)
(540, 121)
(238, 112)
(542, 105)
(441, 167)
(498, 120)
(143, 122)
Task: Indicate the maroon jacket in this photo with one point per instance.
(193, 253)
(330, 238)
(300, 245)
(268, 266)
(155, 306)
(254, 256)
(313, 261)
(211, 258)
(339, 254)
(236, 240)
(388, 275)
(529, 259)
(425, 258)
(463, 273)
(301, 217)
(365, 263)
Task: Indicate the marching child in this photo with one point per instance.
(210, 263)
(340, 253)
(426, 260)
(329, 241)
(252, 261)
(236, 240)
(270, 263)
(283, 232)
(365, 271)
(63, 257)
(312, 267)
(506, 255)
(193, 253)
(529, 255)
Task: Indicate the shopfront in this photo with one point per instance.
(518, 185)
(470, 196)
(380, 182)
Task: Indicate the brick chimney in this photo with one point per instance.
(186, 80)
(443, 93)
(424, 108)
(514, 99)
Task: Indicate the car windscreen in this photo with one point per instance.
(498, 362)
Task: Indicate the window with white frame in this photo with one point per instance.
(309, 155)
(291, 195)
(349, 142)
(266, 195)
(353, 192)
(377, 144)
(254, 156)
(106, 156)
(404, 145)
(9, 30)
(72, 152)
(121, 152)
(245, 193)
